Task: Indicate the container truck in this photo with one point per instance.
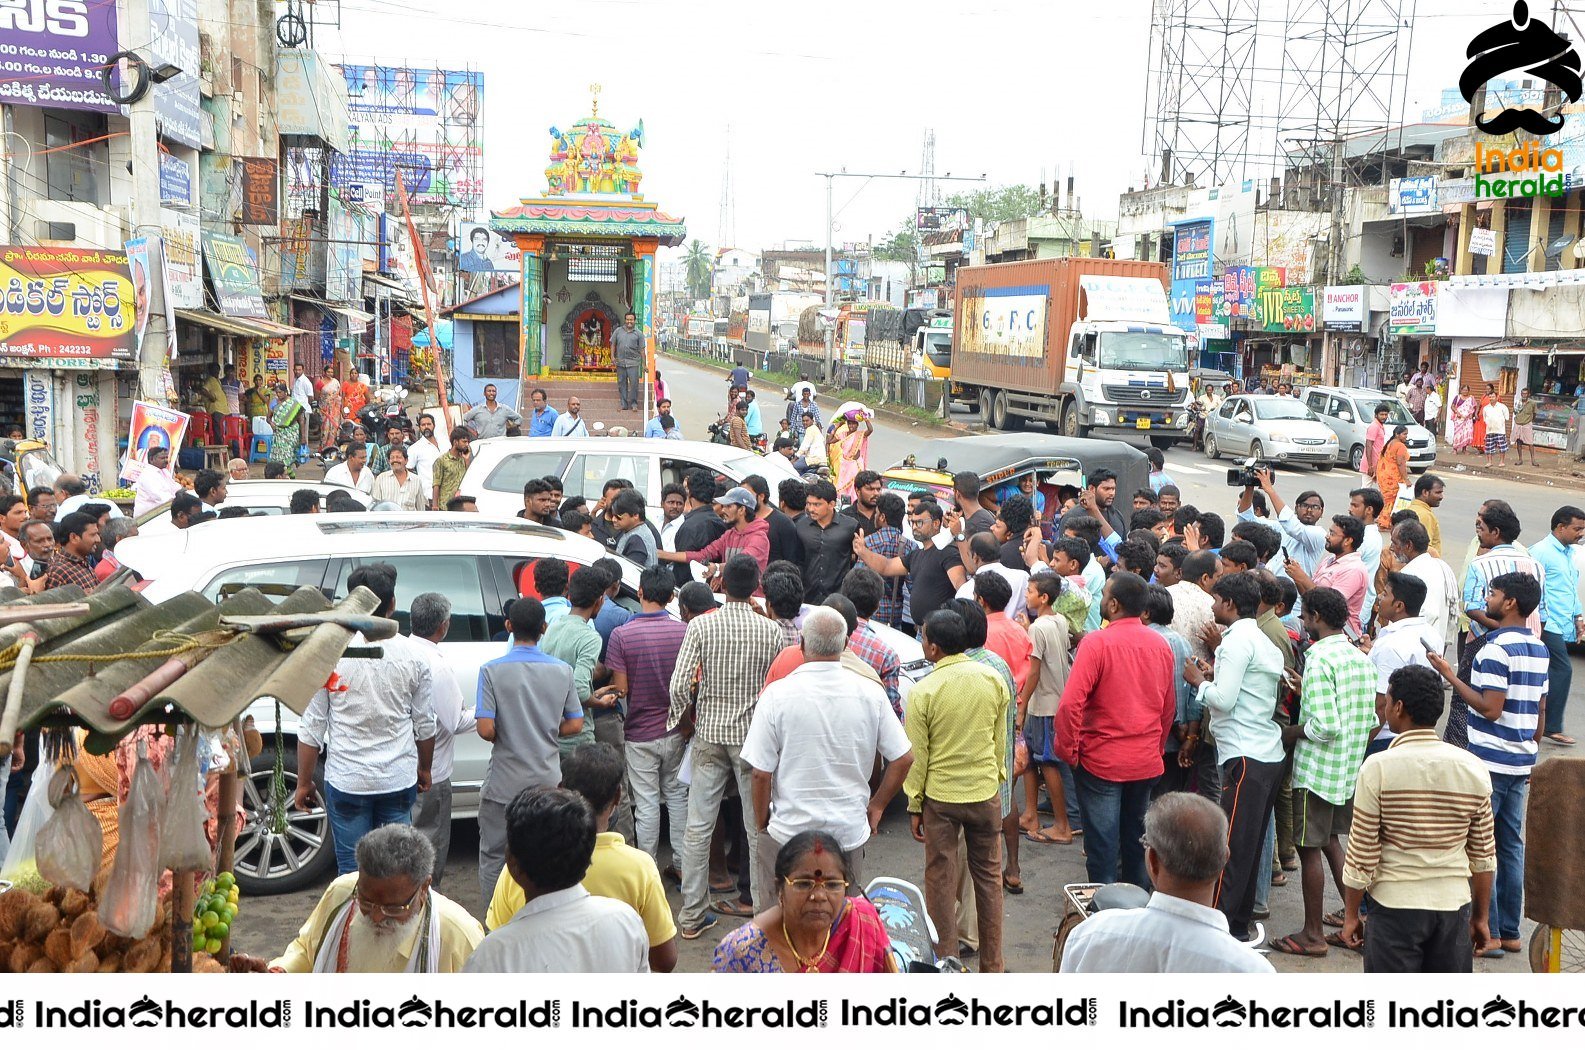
(1083, 345)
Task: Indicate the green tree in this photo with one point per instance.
(902, 245)
(700, 267)
(998, 203)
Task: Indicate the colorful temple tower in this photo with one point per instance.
(588, 251)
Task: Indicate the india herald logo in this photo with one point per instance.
(1521, 45)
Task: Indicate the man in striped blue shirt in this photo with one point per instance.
(1506, 697)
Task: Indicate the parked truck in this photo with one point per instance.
(1083, 345)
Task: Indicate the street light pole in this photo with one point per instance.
(831, 177)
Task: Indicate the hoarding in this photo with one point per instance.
(1286, 310)
(344, 256)
(1191, 250)
(173, 40)
(142, 256)
(1343, 308)
(931, 220)
(176, 180)
(65, 303)
(1412, 308)
(235, 273)
(1006, 322)
(258, 190)
(184, 268)
(1241, 285)
(54, 51)
(482, 250)
(423, 123)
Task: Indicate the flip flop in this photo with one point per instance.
(1562, 739)
(1290, 862)
(735, 908)
(729, 886)
(1336, 941)
(1279, 879)
(1045, 838)
(1492, 951)
(1333, 918)
(1011, 886)
(1289, 946)
(1513, 947)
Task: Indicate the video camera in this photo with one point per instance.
(1244, 476)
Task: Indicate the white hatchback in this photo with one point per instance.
(264, 498)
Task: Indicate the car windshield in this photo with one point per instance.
(938, 345)
(1397, 411)
(1282, 408)
(1144, 351)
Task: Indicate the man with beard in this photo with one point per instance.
(1342, 569)
(383, 917)
(866, 490)
(1099, 500)
(422, 452)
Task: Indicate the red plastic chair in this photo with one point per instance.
(234, 434)
(202, 432)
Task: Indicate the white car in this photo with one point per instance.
(259, 497)
(474, 560)
(501, 466)
(1271, 428)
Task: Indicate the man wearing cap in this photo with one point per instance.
(745, 534)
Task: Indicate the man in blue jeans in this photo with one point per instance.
(376, 721)
(1563, 616)
(1505, 694)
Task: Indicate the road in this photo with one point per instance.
(268, 924)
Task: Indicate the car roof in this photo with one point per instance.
(260, 489)
(1355, 392)
(697, 449)
(357, 533)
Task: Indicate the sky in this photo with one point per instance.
(1014, 90)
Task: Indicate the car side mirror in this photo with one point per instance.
(1347, 417)
(1244, 417)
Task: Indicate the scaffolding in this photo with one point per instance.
(1200, 98)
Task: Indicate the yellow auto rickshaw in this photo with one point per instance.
(26, 465)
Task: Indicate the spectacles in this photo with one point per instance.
(387, 911)
(1311, 506)
(835, 887)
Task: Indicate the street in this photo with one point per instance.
(1030, 918)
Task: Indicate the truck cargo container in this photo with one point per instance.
(1083, 345)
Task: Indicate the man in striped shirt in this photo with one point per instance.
(1421, 842)
(1506, 696)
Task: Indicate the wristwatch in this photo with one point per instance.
(960, 537)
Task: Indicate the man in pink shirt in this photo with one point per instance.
(747, 534)
(1375, 441)
(1342, 569)
(1003, 636)
(1112, 727)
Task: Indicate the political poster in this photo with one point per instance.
(153, 426)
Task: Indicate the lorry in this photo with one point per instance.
(1083, 345)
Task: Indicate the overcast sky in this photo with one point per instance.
(1011, 87)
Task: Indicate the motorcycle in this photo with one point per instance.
(385, 408)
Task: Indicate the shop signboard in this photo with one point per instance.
(184, 270)
(1482, 241)
(176, 181)
(55, 52)
(1191, 250)
(235, 274)
(258, 190)
(1286, 309)
(173, 40)
(1343, 308)
(72, 303)
(1412, 308)
(1415, 195)
(1241, 286)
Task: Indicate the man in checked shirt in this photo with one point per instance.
(732, 650)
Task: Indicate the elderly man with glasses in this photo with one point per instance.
(382, 918)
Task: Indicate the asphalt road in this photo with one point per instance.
(267, 924)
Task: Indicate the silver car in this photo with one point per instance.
(1272, 428)
(1349, 411)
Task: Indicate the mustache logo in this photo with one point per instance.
(1499, 1013)
(951, 1010)
(682, 1012)
(145, 1013)
(1521, 44)
(414, 1013)
(1229, 1013)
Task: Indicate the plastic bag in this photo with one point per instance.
(130, 900)
(21, 866)
(183, 844)
(70, 843)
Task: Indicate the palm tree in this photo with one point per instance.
(700, 269)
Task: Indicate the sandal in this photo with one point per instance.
(1279, 879)
(733, 907)
(1013, 884)
(1336, 941)
(729, 886)
(1333, 918)
(1046, 838)
(1289, 946)
(1290, 862)
(1562, 739)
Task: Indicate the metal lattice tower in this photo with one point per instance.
(726, 221)
(929, 192)
(1201, 91)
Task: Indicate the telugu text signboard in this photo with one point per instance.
(1412, 308)
(1286, 309)
(235, 275)
(55, 52)
(173, 40)
(65, 303)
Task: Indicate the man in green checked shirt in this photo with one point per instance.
(1337, 711)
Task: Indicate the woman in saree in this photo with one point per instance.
(1480, 417)
(850, 449)
(1392, 470)
(330, 411)
(287, 423)
(1465, 410)
(814, 927)
(354, 395)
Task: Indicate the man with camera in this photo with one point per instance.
(1304, 538)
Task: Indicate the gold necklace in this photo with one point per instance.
(811, 965)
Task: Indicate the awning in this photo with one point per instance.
(354, 318)
(1529, 351)
(247, 327)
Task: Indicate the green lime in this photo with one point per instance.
(220, 931)
(227, 914)
(225, 880)
(199, 940)
(210, 919)
(212, 945)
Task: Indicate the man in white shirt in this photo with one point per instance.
(1410, 554)
(562, 928)
(431, 620)
(376, 719)
(812, 745)
(156, 484)
(1192, 603)
(303, 394)
(422, 453)
(985, 556)
(1178, 931)
(570, 423)
(1403, 638)
(354, 472)
(72, 493)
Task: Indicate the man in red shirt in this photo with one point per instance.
(1112, 726)
(746, 534)
(1002, 636)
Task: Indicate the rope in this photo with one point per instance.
(184, 643)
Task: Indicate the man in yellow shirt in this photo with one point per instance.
(618, 871)
(957, 723)
(1428, 493)
(214, 395)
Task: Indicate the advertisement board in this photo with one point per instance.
(173, 40)
(235, 273)
(1007, 322)
(932, 220)
(1241, 285)
(423, 123)
(258, 190)
(176, 180)
(1412, 308)
(65, 303)
(1286, 310)
(482, 250)
(54, 53)
(1191, 250)
(184, 267)
(1343, 308)
(1415, 195)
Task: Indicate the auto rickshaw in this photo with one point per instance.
(26, 465)
(1059, 466)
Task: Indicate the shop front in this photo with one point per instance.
(1555, 377)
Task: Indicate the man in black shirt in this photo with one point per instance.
(827, 539)
(784, 542)
(1099, 500)
(974, 517)
(700, 527)
(1012, 531)
(866, 490)
(934, 573)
